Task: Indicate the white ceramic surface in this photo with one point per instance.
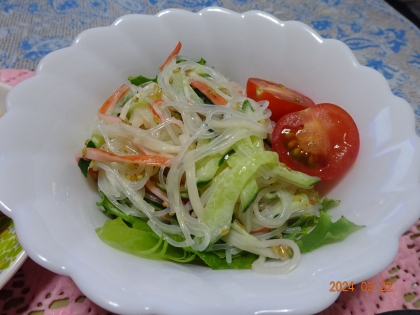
(53, 206)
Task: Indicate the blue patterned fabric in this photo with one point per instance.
(380, 37)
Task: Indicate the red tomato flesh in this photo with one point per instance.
(282, 99)
(322, 140)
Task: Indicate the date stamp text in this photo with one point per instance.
(365, 286)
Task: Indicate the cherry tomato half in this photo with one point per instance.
(322, 140)
(282, 99)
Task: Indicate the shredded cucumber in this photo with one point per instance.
(219, 209)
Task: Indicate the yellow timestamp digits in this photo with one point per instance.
(365, 286)
(341, 286)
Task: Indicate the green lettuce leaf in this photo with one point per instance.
(141, 241)
(306, 223)
(216, 261)
(139, 80)
(328, 203)
(317, 231)
(202, 61)
(134, 236)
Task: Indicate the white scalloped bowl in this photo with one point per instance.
(53, 206)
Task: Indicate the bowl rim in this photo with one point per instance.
(4, 90)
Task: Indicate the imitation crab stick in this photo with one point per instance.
(208, 92)
(157, 103)
(114, 98)
(103, 156)
(264, 229)
(113, 120)
(173, 53)
(157, 191)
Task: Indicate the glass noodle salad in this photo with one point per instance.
(185, 170)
